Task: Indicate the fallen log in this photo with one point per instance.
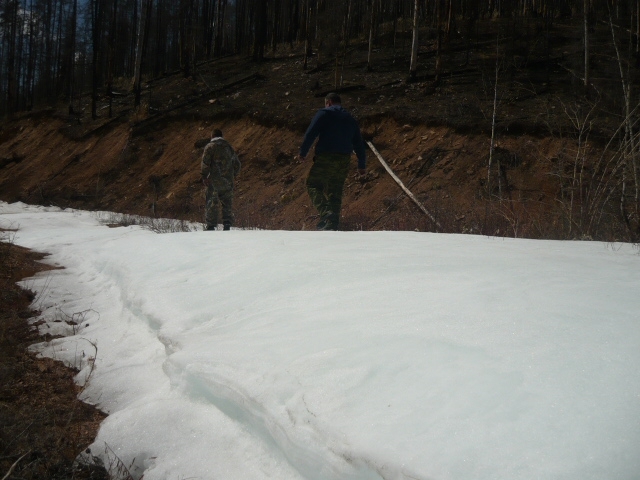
(349, 88)
(199, 98)
(399, 182)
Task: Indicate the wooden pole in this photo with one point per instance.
(399, 182)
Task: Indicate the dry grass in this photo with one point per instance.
(43, 426)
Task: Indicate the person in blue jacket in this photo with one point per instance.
(338, 135)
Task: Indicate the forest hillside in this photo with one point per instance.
(493, 120)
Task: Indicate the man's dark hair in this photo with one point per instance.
(334, 97)
(216, 133)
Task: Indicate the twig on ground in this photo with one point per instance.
(15, 464)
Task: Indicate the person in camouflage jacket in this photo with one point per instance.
(220, 165)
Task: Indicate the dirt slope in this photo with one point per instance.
(436, 137)
(156, 173)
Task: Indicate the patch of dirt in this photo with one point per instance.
(43, 426)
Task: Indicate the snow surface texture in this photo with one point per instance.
(345, 355)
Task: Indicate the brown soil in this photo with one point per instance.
(43, 426)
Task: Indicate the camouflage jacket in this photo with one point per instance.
(220, 163)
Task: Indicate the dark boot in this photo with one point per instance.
(226, 225)
(328, 221)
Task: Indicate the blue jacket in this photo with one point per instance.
(338, 132)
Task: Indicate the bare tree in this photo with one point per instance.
(587, 9)
(308, 39)
(578, 191)
(372, 29)
(97, 8)
(143, 28)
(629, 147)
(260, 22)
(112, 53)
(187, 38)
(439, 35)
(11, 19)
(219, 26)
(71, 62)
(492, 145)
(413, 67)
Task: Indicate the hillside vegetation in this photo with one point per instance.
(506, 140)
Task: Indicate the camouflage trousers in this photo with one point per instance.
(214, 199)
(325, 184)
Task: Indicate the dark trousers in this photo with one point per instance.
(325, 184)
(214, 199)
